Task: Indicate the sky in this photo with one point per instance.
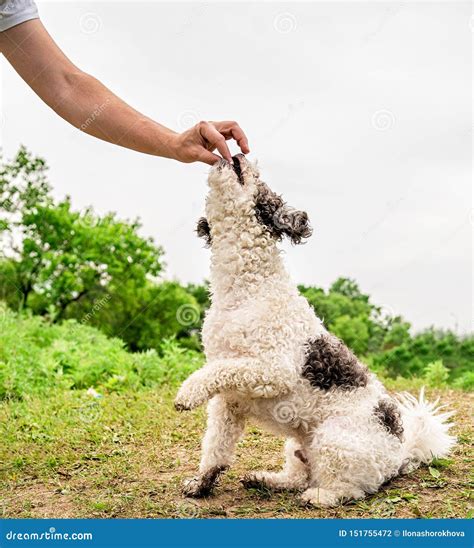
(357, 112)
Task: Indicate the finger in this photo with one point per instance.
(241, 138)
(207, 157)
(232, 130)
(216, 140)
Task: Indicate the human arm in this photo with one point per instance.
(87, 104)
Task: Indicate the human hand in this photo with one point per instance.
(197, 143)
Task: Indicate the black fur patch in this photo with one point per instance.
(330, 364)
(388, 415)
(204, 230)
(272, 212)
(249, 482)
(207, 482)
(301, 456)
(238, 169)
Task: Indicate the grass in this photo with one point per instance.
(126, 455)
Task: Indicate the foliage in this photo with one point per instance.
(36, 357)
(353, 331)
(465, 381)
(141, 316)
(160, 311)
(436, 374)
(413, 354)
(58, 256)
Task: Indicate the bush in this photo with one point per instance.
(436, 374)
(36, 357)
(465, 381)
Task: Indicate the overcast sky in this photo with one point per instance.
(359, 113)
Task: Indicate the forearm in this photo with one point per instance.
(88, 105)
(78, 97)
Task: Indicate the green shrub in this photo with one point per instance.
(436, 374)
(465, 381)
(36, 356)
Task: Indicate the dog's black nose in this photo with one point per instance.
(238, 167)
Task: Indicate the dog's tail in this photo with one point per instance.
(426, 431)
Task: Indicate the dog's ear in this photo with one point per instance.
(204, 230)
(292, 223)
(280, 219)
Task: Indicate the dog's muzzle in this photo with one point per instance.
(236, 162)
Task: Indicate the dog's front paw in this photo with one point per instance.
(181, 406)
(193, 487)
(189, 396)
(202, 485)
(187, 402)
(316, 496)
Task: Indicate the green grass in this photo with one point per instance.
(126, 455)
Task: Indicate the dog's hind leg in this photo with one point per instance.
(224, 427)
(295, 473)
(348, 458)
(247, 376)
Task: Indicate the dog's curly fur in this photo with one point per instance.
(270, 358)
(330, 363)
(390, 418)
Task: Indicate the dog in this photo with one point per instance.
(270, 358)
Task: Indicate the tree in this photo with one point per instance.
(60, 256)
(353, 331)
(157, 312)
(350, 289)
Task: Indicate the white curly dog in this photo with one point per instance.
(270, 358)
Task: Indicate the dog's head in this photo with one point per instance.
(237, 193)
